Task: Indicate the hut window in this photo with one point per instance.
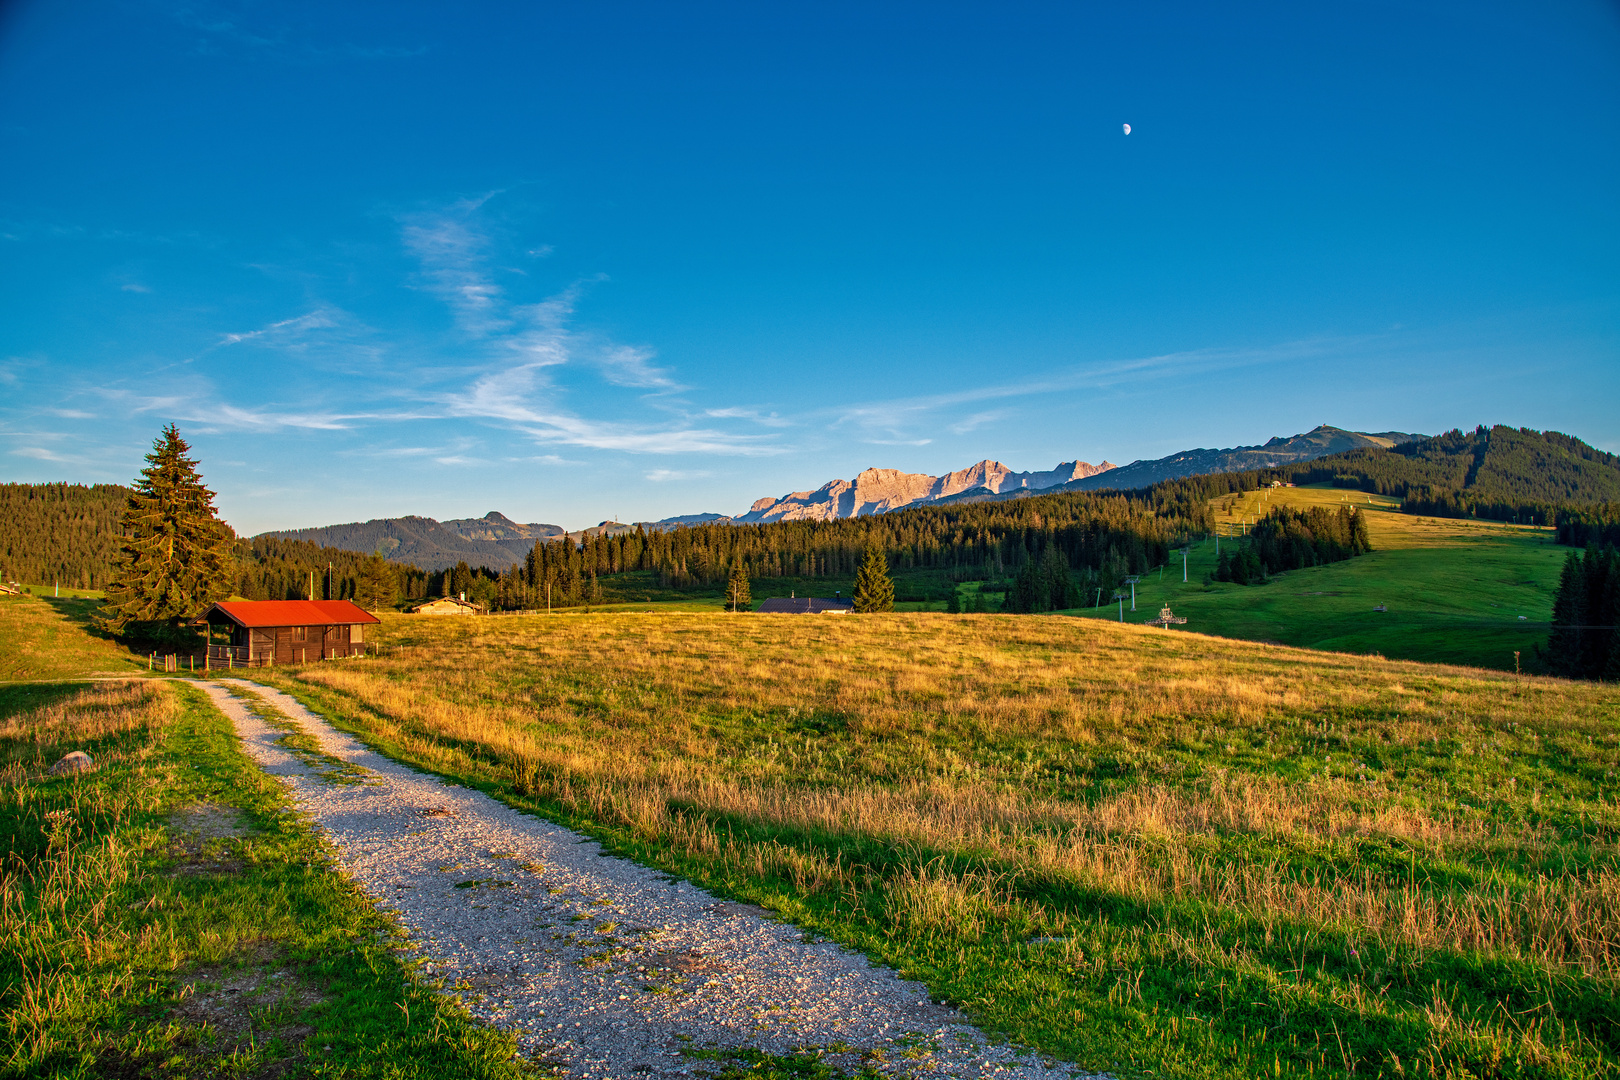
(357, 633)
(298, 633)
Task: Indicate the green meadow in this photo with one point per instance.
(1152, 854)
(1156, 853)
(1455, 591)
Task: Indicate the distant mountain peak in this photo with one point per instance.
(877, 490)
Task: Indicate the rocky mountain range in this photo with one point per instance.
(878, 491)
(498, 542)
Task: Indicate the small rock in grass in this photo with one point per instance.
(76, 762)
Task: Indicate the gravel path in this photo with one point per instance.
(597, 964)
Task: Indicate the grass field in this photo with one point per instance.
(1454, 589)
(1159, 854)
(166, 914)
(47, 638)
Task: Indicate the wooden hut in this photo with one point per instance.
(264, 632)
(446, 605)
(806, 605)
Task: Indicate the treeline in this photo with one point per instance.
(1500, 473)
(1289, 539)
(1101, 537)
(1583, 643)
(1589, 526)
(273, 568)
(65, 533)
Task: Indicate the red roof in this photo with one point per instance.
(293, 612)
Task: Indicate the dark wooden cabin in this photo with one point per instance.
(806, 605)
(264, 632)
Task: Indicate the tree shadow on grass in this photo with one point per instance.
(80, 611)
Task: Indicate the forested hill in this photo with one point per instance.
(1316, 443)
(1499, 472)
(66, 533)
(1101, 536)
(424, 542)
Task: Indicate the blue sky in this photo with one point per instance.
(584, 261)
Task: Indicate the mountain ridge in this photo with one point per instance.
(498, 542)
(878, 491)
(1320, 441)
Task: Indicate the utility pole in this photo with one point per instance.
(1131, 581)
(548, 598)
(1184, 564)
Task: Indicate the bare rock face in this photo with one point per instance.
(76, 762)
(877, 491)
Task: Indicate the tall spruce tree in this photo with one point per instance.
(873, 589)
(1567, 638)
(737, 598)
(377, 584)
(177, 556)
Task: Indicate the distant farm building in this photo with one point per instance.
(446, 605)
(265, 632)
(805, 605)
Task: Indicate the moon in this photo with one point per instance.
(1127, 129)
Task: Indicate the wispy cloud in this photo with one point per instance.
(39, 453)
(285, 332)
(662, 476)
(523, 346)
(755, 415)
(224, 25)
(517, 396)
(209, 414)
(978, 420)
(454, 254)
(894, 421)
(134, 287)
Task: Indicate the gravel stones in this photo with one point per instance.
(600, 966)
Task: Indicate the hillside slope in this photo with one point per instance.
(1319, 442)
(429, 544)
(64, 533)
(1494, 471)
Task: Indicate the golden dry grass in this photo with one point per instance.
(975, 778)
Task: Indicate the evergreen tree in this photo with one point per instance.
(1564, 643)
(377, 584)
(953, 602)
(177, 557)
(737, 598)
(873, 589)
